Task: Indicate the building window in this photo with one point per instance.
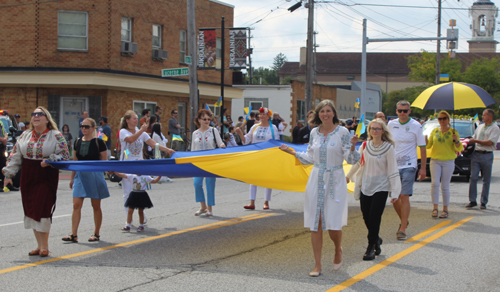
(256, 105)
(301, 110)
(126, 29)
(139, 106)
(182, 49)
(72, 30)
(156, 36)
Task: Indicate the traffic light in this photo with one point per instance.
(295, 6)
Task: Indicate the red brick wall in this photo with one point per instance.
(29, 34)
(320, 92)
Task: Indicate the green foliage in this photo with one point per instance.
(409, 94)
(268, 76)
(287, 80)
(279, 61)
(423, 67)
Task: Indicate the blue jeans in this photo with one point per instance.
(483, 163)
(200, 194)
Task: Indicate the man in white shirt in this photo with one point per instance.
(407, 134)
(486, 138)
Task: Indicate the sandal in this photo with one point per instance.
(44, 252)
(94, 237)
(34, 252)
(434, 213)
(444, 214)
(71, 238)
(199, 212)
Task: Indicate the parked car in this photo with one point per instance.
(465, 129)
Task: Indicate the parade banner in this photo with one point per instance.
(238, 48)
(207, 49)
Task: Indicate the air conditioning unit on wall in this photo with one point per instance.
(160, 54)
(129, 48)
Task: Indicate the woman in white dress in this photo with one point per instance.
(260, 132)
(325, 203)
(378, 170)
(132, 142)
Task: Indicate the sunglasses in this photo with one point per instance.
(442, 119)
(205, 119)
(402, 111)
(85, 126)
(38, 114)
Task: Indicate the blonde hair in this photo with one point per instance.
(92, 123)
(127, 116)
(386, 136)
(447, 115)
(51, 124)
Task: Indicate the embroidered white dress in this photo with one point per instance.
(326, 190)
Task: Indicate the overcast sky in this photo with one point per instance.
(339, 25)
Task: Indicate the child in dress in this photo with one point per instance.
(138, 198)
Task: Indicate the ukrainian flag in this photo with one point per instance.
(219, 102)
(361, 129)
(247, 110)
(176, 138)
(356, 104)
(208, 108)
(476, 118)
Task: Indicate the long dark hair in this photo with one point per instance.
(156, 129)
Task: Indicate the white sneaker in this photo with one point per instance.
(145, 219)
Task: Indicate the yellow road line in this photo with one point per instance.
(428, 231)
(204, 227)
(396, 257)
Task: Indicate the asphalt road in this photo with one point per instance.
(241, 250)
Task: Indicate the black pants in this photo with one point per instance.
(3, 162)
(372, 208)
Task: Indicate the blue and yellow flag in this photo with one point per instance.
(476, 118)
(361, 129)
(176, 138)
(247, 110)
(208, 108)
(356, 104)
(219, 102)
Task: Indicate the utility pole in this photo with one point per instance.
(438, 49)
(222, 57)
(309, 56)
(193, 72)
(249, 53)
(315, 63)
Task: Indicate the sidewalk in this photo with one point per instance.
(64, 174)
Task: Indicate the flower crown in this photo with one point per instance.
(265, 110)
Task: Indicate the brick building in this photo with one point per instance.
(104, 56)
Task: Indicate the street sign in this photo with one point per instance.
(187, 60)
(175, 72)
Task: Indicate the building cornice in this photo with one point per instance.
(104, 80)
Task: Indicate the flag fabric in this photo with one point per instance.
(176, 138)
(476, 118)
(356, 104)
(208, 108)
(219, 102)
(248, 110)
(361, 129)
(102, 136)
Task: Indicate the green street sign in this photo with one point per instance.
(187, 60)
(175, 72)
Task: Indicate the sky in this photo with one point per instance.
(338, 24)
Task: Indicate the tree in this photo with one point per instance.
(423, 67)
(263, 76)
(278, 62)
(409, 94)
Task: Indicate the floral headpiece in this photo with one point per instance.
(265, 110)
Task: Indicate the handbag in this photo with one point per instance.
(115, 178)
(359, 175)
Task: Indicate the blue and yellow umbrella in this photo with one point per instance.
(453, 96)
